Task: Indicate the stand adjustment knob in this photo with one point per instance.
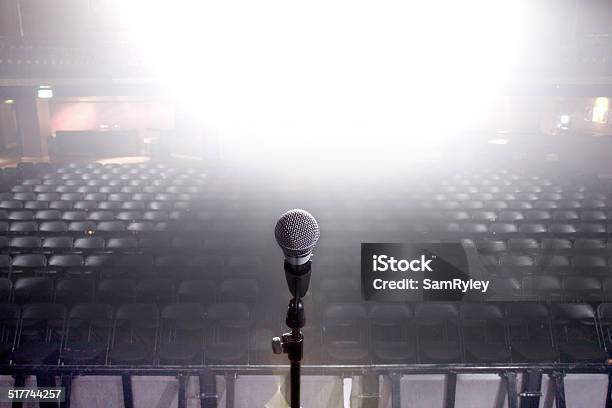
(277, 345)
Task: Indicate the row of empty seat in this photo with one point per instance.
(189, 333)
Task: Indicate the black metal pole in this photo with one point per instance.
(295, 384)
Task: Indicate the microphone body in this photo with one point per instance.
(298, 278)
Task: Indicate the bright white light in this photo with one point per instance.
(499, 141)
(564, 119)
(9, 101)
(332, 77)
(45, 92)
(600, 110)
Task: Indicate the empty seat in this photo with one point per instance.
(523, 245)
(484, 334)
(576, 333)
(555, 264)
(155, 290)
(240, 290)
(53, 227)
(438, 333)
(203, 291)
(135, 334)
(23, 227)
(563, 229)
(590, 265)
(83, 227)
(115, 291)
(109, 205)
(61, 263)
(542, 288)
(85, 205)
(228, 333)
(516, 265)
(74, 216)
(35, 289)
(582, 288)
(504, 289)
(28, 263)
(182, 328)
(101, 216)
(88, 334)
(590, 246)
(110, 226)
(55, 244)
(9, 323)
(41, 334)
(36, 205)
(25, 244)
(392, 334)
(71, 291)
(88, 244)
(529, 331)
(122, 243)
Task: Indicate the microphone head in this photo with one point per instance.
(297, 232)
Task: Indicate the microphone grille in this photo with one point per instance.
(296, 232)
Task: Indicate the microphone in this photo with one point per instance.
(297, 233)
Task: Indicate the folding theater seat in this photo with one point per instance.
(590, 265)
(202, 291)
(556, 245)
(514, 265)
(88, 334)
(9, 324)
(583, 288)
(523, 245)
(76, 215)
(542, 288)
(36, 205)
(110, 226)
(156, 216)
(101, 216)
(593, 246)
(28, 263)
(392, 334)
(121, 244)
(71, 291)
(82, 227)
(135, 334)
(565, 216)
(155, 290)
(65, 263)
(183, 333)
(128, 216)
(94, 195)
(530, 333)
(576, 333)
(37, 289)
(109, 205)
(85, 205)
(228, 333)
(338, 289)
(52, 227)
(604, 317)
(504, 289)
(240, 290)
(6, 288)
(25, 244)
(484, 334)
(40, 334)
(438, 336)
(115, 291)
(11, 205)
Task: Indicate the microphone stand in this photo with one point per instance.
(292, 343)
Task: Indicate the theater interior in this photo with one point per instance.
(148, 148)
